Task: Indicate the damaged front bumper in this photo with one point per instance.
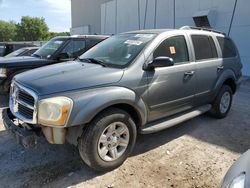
(27, 135)
(24, 135)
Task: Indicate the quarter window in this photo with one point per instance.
(204, 47)
(174, 47)
(227, 47)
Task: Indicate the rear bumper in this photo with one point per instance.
(25, 137)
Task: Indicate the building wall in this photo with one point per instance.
(115, 16)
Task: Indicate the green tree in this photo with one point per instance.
(55, 34)
(32, 29)
(7, 31)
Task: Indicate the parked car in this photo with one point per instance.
(26, 51)
(8, 47)
(57, 50)
(238, 174)
(135, 82)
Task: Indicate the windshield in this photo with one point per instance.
(15, 53)
(48, 49)
(120, 50)
(2, 50)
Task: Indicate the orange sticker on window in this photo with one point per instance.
(172, 50)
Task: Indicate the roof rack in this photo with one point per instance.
(202, 28)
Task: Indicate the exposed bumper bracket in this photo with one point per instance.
(26, 138)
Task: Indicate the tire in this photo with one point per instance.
(116, 128)
(220, 110)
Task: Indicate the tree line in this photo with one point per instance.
(29, 29)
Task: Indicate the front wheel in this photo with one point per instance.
(222, 103)
(108, 140)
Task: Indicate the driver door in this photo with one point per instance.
(171, 89)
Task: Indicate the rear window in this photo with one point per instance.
(204, 47)
(228, 48)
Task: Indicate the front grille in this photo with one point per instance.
(25, 97)
(25, 111)
(23, 103)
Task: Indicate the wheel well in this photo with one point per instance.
(129, 109)
(230, 82)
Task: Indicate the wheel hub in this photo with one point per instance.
(113, 141)
(225, 102)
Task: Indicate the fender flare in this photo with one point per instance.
(227, 74)
(90, 103)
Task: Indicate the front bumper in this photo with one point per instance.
(24, 136)
(3, 88)
(27, 135)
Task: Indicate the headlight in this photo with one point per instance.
(238, 182)
(3, 73)
(54, 111)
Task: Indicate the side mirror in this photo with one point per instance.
(63, 57)
(161, 62)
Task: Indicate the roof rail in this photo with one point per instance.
(202, 28)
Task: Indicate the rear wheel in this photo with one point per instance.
(222, 103)
(108, 140)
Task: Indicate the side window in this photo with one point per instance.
(204, 47)
(29, 52)
(91, 43)
(75, 48)
(227, 47)
(174, 47)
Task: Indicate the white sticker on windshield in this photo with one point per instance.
(145, 36)
(133, 42)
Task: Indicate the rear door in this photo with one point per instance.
(209, 66)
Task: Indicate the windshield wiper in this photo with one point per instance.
(93, 60)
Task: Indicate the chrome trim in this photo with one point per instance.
(14, 101)
(25, 104)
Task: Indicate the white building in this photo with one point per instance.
(115, 16)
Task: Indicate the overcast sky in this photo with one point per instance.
(57, 13)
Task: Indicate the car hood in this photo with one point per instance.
(10, 62)
(68, 76)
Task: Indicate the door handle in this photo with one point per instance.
(189, 73)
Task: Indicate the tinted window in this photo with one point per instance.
(227, 47)
(204, 47)
(29, 52)
(93, 42)
(75, 48)
(174, 47)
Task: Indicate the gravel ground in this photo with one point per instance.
(193, 154)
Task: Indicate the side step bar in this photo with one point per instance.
(164, 124)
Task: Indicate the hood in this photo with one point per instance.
(68, 76)
(10, 62)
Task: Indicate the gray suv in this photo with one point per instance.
(135, 82)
